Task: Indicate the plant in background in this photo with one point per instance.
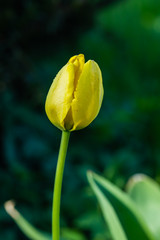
(131, 215)
(73, 101)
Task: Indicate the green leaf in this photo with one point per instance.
(31, 232)
(109, 214)
(69, 234)
(146, 194)
(129, 216)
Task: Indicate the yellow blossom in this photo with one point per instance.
(75, 96)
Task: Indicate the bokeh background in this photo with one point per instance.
(36, 39)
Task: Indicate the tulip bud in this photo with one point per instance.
(75, 96)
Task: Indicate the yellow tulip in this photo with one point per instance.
(75, 96)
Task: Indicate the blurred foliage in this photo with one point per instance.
(37, 38)
(131, 215)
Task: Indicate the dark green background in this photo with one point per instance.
(37, 38)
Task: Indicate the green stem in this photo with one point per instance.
(58, 186)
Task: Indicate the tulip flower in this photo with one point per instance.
(75, 96)
(73, 101)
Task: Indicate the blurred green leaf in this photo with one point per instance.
(146, 194)
(30, 231)
(69, 234)
(108, 211)
(129, 216)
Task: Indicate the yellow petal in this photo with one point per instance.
(60, 96)
(78, 62)
(88, 96)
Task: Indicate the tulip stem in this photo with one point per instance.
(58, 185)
